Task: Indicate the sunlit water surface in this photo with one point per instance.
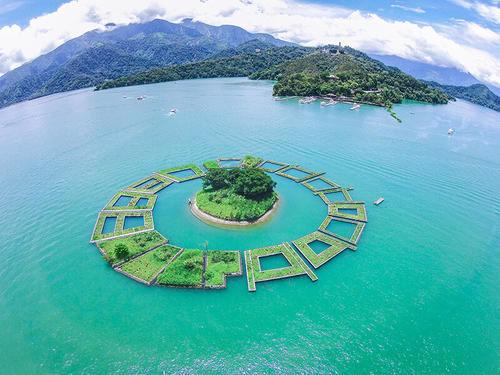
(419, 295)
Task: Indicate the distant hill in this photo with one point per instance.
(346, 74)
(478, 94)
(100, 55)
(429, 72)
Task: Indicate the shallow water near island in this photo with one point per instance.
(420, 293)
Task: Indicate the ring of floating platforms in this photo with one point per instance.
(125, 234)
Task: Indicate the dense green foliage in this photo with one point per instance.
(148, 265)
(99, 56)
(236, 193)
(121, 251)
(250, 161)
(137, 243)
(250, 183)
(228, 205)
(478, 94)
(348, 75)
(240, 65)
(186, 270)
(219, 264)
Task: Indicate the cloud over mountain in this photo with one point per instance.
(308, 24)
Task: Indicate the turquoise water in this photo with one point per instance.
(420, 294)
(341, 228)
(273, 262)
(109, 225)
(123, 201)
(142, 202)
(133, 222)
(183, 173)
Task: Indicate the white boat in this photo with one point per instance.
(307, 100)
(355, 106)
(451, 131)
(173, 110)
(378, 201)
(141, 97)
(326, 103)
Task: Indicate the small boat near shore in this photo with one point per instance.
(326, 103)
(307, 100)
(355, 106)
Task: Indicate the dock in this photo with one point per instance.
(378, 201)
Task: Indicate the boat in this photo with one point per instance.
(173, 110)
(141, 97)
(307, 100)
(378, 201)
(325, 103)
(355, 106)
(451, 131)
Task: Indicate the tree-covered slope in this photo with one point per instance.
(100, 55)
(478, 94)
(350, 74)
(301, 71)
(239, 65)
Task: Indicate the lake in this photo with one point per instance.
(419, 295)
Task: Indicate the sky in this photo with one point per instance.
(463, 34)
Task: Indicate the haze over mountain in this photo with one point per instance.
(96, 56)
(429, 72)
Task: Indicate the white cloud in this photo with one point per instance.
(409, 9)
(304, 23)
(488, 12)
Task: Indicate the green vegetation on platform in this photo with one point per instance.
(113, 204)
(120, 217)
(345, 210)
(296, 173)
(185, 271)
(256, 274)
(177, 173)
(332, 247)
(147, 266)
(326, 195)
(272, 166)
(353, 238)
(134, 244)
(211, 164)
(250, 161)
(221, 264)
(151, 184)
(238, 194)
(310, 184)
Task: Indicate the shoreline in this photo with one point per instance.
(209, 219)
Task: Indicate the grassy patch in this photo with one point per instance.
(211, 164)
(185, 271)
(136, 244)
(250, 161)
(120, 220)
(228, 205)
(333, 247)
(148, 265)
(173, 173)
(219, 265)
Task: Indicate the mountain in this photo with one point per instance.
(346, 74)
(478, 94)
(100, 55)
(429, 72)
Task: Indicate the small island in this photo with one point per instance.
(235, 196)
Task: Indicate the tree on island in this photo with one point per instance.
(121, 251)
(251, 183)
